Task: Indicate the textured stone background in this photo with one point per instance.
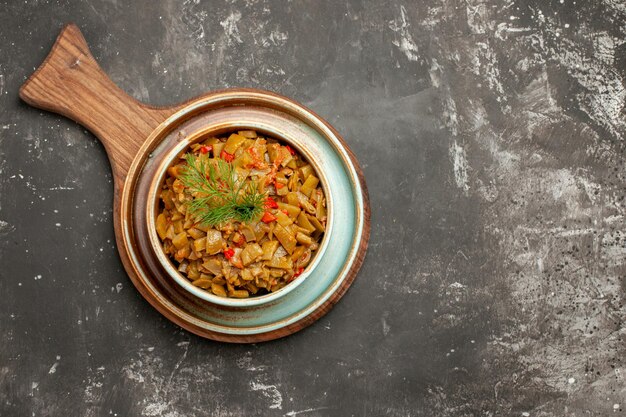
(492, 135)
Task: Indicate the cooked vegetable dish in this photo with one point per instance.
(241, 215)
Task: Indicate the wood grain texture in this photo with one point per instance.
(70, 82)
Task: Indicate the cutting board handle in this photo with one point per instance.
(71, 83)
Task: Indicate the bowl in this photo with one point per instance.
(336, 264)
(152, 210)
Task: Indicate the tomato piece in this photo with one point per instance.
(227, 156)
(268, 217)
(270, 203)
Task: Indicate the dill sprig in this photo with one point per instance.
(216, 196)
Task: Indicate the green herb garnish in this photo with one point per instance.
(216, 196)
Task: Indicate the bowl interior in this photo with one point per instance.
(200, 133)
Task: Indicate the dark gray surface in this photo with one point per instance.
(491, 134)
